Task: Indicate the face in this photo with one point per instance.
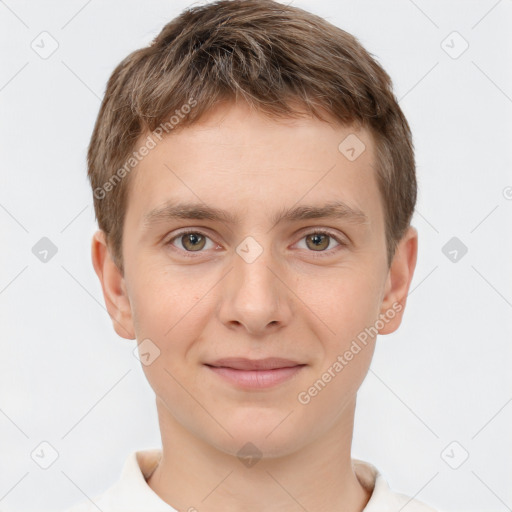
(230, 251)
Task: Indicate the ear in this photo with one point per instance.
(398, 281)
(113, 285)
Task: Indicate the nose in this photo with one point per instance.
(255, 297)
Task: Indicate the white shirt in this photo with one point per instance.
(131, 493)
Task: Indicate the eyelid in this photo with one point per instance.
(310, 230)
(187, 231)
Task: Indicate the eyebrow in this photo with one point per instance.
(198, 211)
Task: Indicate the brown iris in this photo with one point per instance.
(319, 241)
(193, 241)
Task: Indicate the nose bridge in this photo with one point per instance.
(254, 280)
(253, 296)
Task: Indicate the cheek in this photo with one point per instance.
(170, 315)
(335, 387)
(169, 311)
(164, 303)
(346, 303)
(350, 311)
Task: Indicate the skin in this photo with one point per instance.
(293, 301)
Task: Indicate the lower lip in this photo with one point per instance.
(256, 379)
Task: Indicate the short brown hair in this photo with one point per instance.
(273, 56)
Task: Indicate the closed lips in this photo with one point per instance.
(239, 363)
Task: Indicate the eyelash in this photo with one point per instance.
(190, 254)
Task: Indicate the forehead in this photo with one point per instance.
(235, 158)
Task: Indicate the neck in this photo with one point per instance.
(194, 475)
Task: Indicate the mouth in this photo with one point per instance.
(242, 363)
(255, 373)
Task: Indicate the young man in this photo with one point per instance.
(254, 182)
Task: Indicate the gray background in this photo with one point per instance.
(67, 379)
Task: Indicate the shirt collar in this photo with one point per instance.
(131, 491)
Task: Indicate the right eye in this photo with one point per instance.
(190, 241)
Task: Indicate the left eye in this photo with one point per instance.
(319, 241)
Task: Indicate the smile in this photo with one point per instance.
(256, 379)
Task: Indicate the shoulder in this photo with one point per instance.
(384, 499)
(131, 491)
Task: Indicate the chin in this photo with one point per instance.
(244, 445)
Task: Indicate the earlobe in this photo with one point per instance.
(113, 286)
(398, 281)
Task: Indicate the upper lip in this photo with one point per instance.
(242, 363)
